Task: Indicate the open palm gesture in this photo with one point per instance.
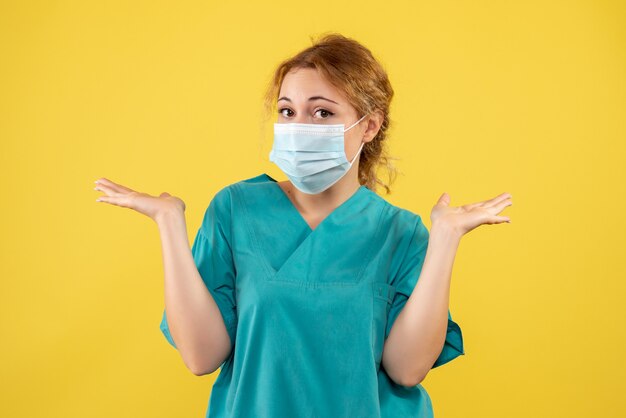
(467, 217)
(151, 206)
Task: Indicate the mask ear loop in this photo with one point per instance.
(362, 143)
(357, 154)
(355, 123)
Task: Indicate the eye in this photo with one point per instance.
(283, 109)
(325, 112)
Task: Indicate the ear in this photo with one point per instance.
(374, 121)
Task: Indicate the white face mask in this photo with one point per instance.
(312, 155)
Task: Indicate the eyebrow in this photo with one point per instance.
(310, 99)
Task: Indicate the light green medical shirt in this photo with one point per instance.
(308, 311)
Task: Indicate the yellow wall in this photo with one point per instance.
(527, 97)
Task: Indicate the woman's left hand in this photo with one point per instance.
(463, 219)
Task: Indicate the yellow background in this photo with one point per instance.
(526, 97)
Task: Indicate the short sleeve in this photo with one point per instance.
(404, 283)
(212, 254)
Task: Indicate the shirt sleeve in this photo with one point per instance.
(212, 254)
(404, 283)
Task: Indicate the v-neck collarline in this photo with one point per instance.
(299, 215)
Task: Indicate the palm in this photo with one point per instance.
(119, 195)
(467, 217)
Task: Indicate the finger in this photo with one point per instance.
(500, 219)
(492, 220)
(471, 206)
(496, 200)
(108, 190)
(444, 199)
(114, 200)
(117, 187)
(499, 207)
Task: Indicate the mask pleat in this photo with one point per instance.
(307, 143)
(307, 155)
(307, 168)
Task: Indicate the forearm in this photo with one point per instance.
(418, 334)
(193, 317)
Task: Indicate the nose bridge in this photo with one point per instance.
(303, 110)
(302, 113)
(302, 117)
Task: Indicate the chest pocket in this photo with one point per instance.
(382, 298)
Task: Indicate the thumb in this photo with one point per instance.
(444, 200)
(164, 194)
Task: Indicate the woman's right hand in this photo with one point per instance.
(152, 206)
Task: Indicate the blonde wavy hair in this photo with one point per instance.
(350, 67)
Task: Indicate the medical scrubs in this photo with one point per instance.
(308, 310)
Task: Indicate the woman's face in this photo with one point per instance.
(306, 97)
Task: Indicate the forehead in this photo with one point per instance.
(302, 83)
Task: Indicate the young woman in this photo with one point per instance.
(305, 292)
